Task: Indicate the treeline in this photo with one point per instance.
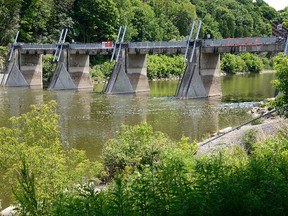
(245, 62)
(150, 20)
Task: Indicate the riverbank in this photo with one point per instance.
(267, 129)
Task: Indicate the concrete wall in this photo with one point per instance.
(136, 69)
(78, 68)
(209, 66)
(31, 68)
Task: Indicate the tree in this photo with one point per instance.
(34, 20)
(210, 26)
(227, 22)
(253, 63)
(95, 20)
(34, 142)
(281, 83)
(61, 17)
(9, 20)
(145, 22)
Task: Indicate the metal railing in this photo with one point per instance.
(37, 46)
(157, 44)
(88, 46)
(177, 44)
(239, 41)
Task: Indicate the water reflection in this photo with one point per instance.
(88, 120)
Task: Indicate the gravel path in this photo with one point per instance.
(268, 128)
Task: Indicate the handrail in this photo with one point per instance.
(188, 41)
(13, 46)
(120, 45)
(114, 48)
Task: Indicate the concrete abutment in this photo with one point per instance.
(23, 70)
(210, 71)
(129, 75)
(72, 73)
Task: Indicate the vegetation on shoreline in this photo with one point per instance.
(163, 66)
(147, 173)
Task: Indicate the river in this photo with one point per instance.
(89, 119)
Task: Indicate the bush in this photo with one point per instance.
(245, 62)
(253, 63)
(102, 71)
(281, 83)
(249, 140)
(3, 57)
(163, 66)
(229, 64)
(48, 68)
(175, 181)
(133, 146)
(32, 150)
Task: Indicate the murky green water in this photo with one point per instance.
(89, 119)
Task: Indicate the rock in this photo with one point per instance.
(9, 211)
(225, 130)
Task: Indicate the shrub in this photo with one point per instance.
(229, 63)
(253, 63)
(163, 66)
(48, 68)
(101, 71)
(249, 140)
(133, 146)
(32, 150)
(281, 83)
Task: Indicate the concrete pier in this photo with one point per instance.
(137, 72)
(71, 73)
(129, 75)
(210, 73)
(31, 68)
(23, 70)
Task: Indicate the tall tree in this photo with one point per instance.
(34, 20)
(95, 20)
(145, 22)
(9, 20)
(61, 17)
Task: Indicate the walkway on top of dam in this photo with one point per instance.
(208, 46)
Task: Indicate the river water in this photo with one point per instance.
(88, 120)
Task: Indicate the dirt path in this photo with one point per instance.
(268, 128)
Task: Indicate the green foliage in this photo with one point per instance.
(95, 20)
(257, 121)
(249, 140)
(162, 66)
(253, 63)
(281, 83)
(3, 57)
(133, 146)
(48, 68)
(153, 20)
(101, 72)
(229, 64)
(178, 182)
(34, 20)
(9, 20)
(27, 197)
(146, 25)
(245, 62)
(32, 147)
